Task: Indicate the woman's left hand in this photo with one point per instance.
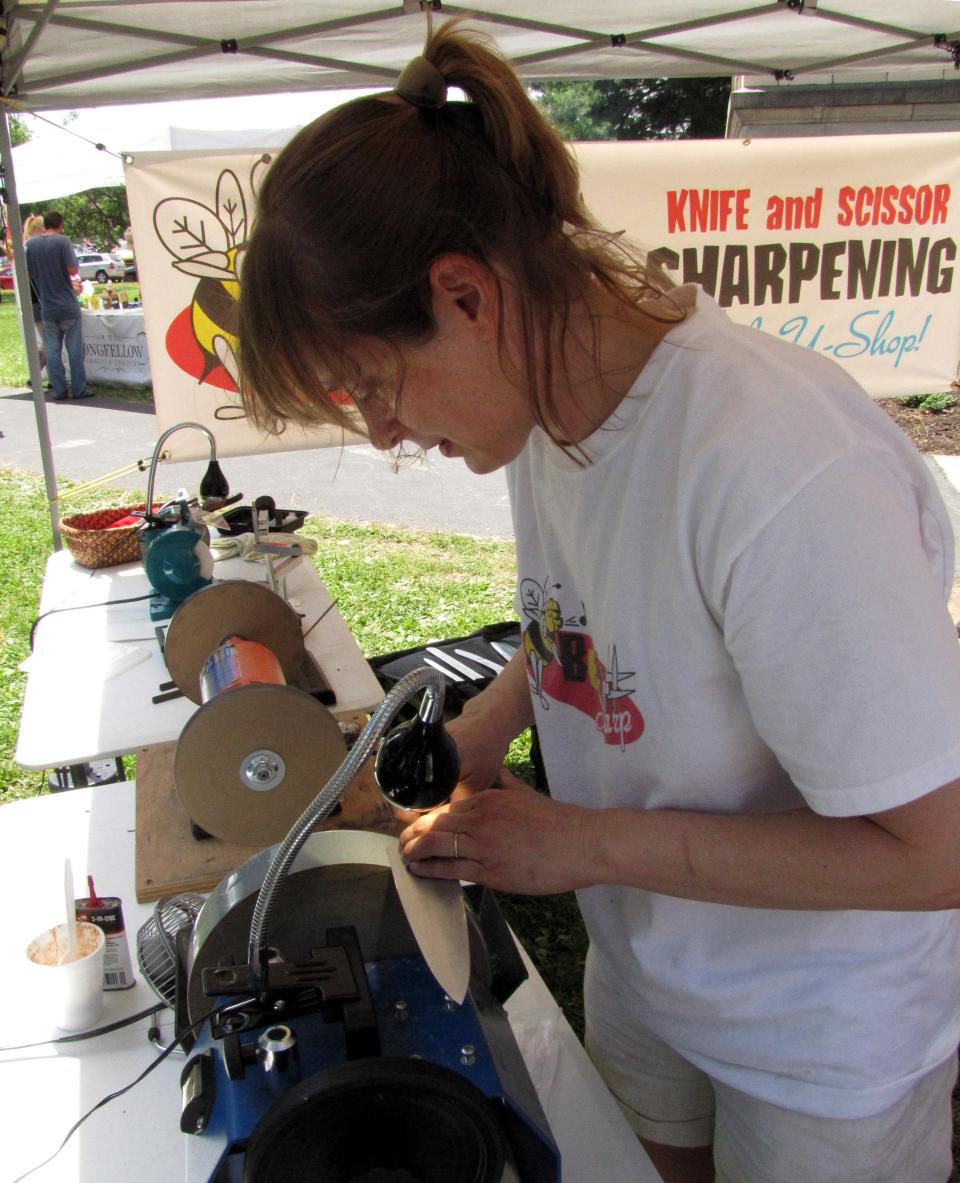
(511, 839)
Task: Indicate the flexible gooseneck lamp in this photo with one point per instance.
(418, 764)
(417, 768)
(213, 484)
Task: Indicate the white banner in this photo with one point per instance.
(191, 214)
(844, 244)
(115, 347)
(847, 245)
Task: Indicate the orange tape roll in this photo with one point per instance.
(238, 662)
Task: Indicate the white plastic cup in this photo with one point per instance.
(71, 992)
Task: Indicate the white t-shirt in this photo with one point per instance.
(739, 606)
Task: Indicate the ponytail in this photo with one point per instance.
(521, 140)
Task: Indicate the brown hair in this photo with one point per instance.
(356, 208)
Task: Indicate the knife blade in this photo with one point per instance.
(455, 663)
(503, 649)
(435, 665)
(438, 919)
(491, 665)
(434, 908)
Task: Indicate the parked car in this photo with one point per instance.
(129, 263)
(6, 277)
(100, 266)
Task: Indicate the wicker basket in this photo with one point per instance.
(92, 544)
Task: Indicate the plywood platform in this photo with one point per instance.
(170, 860)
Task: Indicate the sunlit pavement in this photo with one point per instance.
(355, 484)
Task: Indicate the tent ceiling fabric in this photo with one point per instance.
(82, 53)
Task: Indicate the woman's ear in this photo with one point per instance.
(465, 288)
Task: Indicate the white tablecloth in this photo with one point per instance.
(93, 673)
(137, 1136)
(115, 347)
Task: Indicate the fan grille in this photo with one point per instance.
(156, 950)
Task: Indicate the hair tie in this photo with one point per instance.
(422, 85)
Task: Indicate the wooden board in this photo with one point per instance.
(170, 860)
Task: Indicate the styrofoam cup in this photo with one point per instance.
(71, 992)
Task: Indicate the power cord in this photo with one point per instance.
(77, 607)
(171, 1047)
(74, 607)
(94, 1032)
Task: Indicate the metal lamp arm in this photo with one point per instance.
(327, 798)
(155, 460)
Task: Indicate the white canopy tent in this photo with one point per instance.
(75, 166)
(78, 53)
(43, 175)
(60, 54)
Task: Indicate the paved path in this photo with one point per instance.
(354, 484)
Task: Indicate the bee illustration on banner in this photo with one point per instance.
(208, 242)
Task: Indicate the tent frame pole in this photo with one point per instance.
(25, 313)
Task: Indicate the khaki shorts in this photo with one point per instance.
(668, 1100)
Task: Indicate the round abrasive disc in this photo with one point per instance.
(232, 608)
(251, 760)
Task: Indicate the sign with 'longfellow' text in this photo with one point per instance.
(843, 244)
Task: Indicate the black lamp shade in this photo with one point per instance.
(418, 765)
(214, 486)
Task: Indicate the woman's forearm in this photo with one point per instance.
(901, 860)
(503, 708)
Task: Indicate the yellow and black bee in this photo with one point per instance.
(208, 243)
(213, 318)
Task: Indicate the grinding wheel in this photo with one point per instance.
(234, 607)
(252, 759)
(380, 1118)
(315, 896)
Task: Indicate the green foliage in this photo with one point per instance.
(13, 357)
(19, 132)
(398, 588)
(936, 403)
(99, 216)
(636, 108)
(26, 539)
(569, 108)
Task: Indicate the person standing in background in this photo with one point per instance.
(53, 271)
(32, 228)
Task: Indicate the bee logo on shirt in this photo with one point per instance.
(563, 665)
(545, 623)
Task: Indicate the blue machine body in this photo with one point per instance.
(415, 1020)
